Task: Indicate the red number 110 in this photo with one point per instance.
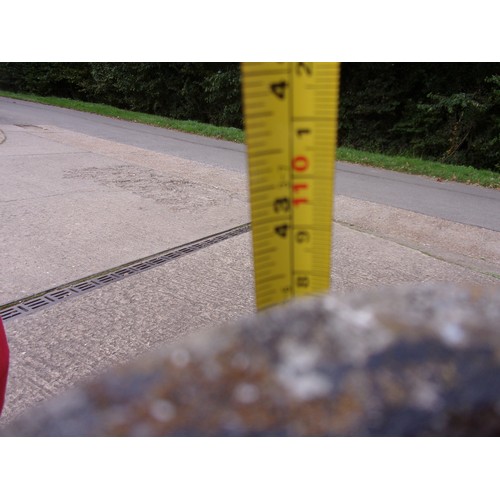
(300, 164)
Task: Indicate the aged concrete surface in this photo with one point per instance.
(73, 205)
(469, 246)
(416, 360)
(56, 347)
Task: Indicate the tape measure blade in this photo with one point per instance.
(290, 112)
(267, 113)
(314, 118)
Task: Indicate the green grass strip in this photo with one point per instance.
(416, 166)
(191, 126)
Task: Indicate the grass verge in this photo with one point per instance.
(227, 133)
(416, 166)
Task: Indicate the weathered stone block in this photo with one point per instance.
(418, 360)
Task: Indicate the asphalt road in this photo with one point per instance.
(451, 201)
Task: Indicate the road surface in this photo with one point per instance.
(450, 201)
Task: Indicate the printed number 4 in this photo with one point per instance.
(278, 89)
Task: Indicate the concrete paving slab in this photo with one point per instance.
(469, 246)
(56, 347)
(71, 215)
(363, 260)
(30, 177)
(21, 141)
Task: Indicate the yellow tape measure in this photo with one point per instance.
(290, 112)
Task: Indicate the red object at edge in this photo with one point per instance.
(4, 364)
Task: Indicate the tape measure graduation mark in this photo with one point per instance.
(290, 112)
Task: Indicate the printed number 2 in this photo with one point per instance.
(304, 68)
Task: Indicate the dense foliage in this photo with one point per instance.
(206, 92)
(443, 111)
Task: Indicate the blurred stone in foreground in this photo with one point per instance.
(422, 360)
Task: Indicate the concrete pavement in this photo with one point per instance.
(73, 205)
(76, 205)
